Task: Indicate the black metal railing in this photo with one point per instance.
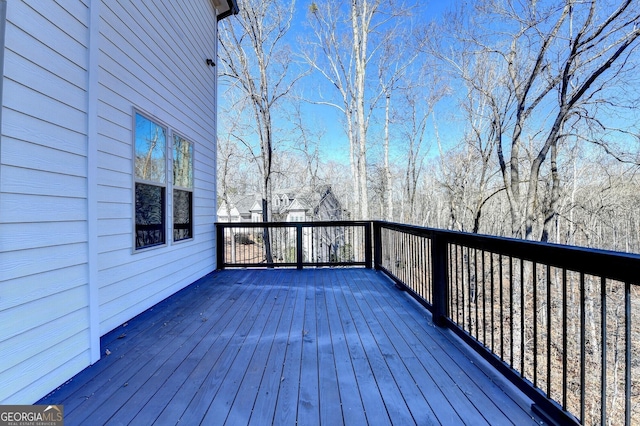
(294, 244)
(562, 323)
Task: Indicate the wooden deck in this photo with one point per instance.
(285, 347)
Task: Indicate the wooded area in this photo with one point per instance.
(499, 117)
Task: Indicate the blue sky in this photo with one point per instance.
(334, 144)
(329, 121)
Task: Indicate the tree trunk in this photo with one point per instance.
(387, 168)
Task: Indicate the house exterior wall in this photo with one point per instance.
(44, 305)
(74, 73)
(152, 58)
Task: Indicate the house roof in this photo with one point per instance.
(296, 205)
(294, 200)
(242, 204)
(226, 8)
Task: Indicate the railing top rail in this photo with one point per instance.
(618, 266)
(613, 265)
(292, 224)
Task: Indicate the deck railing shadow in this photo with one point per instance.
(562, 323)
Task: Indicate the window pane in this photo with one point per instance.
(182, 215)
(150, 216)
(150, 150)
(182, 162)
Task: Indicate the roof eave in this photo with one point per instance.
(232, 10)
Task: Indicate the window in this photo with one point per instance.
(296, 217)
(182, 189)
(150, 182)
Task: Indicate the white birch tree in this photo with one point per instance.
(344, 38)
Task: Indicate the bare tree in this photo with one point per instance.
(469, 168)
(344, 38)
(256, 61)
(558, 65)
(306, 145)
(397, 59)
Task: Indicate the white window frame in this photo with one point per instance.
(168, 185)
(176, 187)
(137, 180)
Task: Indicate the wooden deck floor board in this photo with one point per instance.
(350, 397)
(286, 347)
(396, 406)
(309, 391)
(327, 372)
(499, 409)
(372, 401)
(181, 365)
(231, 322)
(444, 396)
(238, 372)
(266, 393)
(220, 372)
(449, 401)
(259, 368)
(129, 341)
(398, 355)
(153, 373)
(116, 386)
(282, 391)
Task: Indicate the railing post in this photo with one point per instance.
(299, 246)
(377, 245)
(367, 245)
(440, 297)
(219, 246)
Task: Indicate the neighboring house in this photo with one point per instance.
(286, 205)
(239, 209)
(329, 244)
(107, 173)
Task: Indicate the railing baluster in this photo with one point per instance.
(534, 276)
(582, 347)
(523, 308)
(428, 261)
(366, 229)
(377, 245)
(501, 306)
(493, 326)
(463, 291)
(484, 302)
(548, 330)
(469, 298)
(512, 363)
(627, 355)
(564, 338)
(299, 258)
(603, 338)
(459, 293)
(476, 293)
(450, 273)
(424, 264)
(220, 246)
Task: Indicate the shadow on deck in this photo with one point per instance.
(317, 346)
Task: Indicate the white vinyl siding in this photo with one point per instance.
(152, 58)
(44, 328)
(74, 72)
